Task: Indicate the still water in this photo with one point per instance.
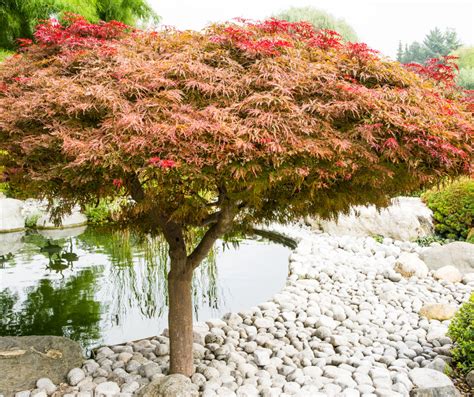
(99, 286)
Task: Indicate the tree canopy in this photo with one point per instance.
(320, 20)
(18, 18)
(244, 122)
(263, 108)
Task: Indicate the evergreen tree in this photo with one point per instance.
(435, 44)
(452, 40)
(416, 53)
(400, 52)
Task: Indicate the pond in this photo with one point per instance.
(100, 286)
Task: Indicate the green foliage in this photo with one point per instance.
(465, 57)
(18, 18)
(465, 63)
(461, 331)
(428, 240)
(31, 221)
(319, 19)
(436, 44)
(466, 78)
(3, 185)
(453, 208)
(4, 54)
(99, 214)
(105, 211)
(378, 237)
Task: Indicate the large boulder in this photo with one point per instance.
(34, 208)
(438, 311)
(470, 378)
(170, 386)
(458, 254)
(25, 359)
(10, 243)
(407, 218)
(431, 383)
(11, 217)
(58, 234)
(448, 273)
(75, 219)
(410, 264)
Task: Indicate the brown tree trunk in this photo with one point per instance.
(180, 318)
(180, 315)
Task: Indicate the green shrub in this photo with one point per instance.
(466, 78)
(99, 214)
(105, 211)
(465, 57)
(428, 240)
(461, 331)
(32, 220)
(453, 208)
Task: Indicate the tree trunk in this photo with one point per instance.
(180, 318)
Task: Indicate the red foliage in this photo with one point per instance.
(156, 161)
(76, 32)
(326, 39)
(443, 70)
(118, 183)
(361, 50)
(284, 119)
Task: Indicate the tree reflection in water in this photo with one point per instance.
(139, 272)
(65, 308)
(134, 274)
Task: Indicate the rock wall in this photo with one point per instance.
(408, 218)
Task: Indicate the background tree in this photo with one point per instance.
(400, 52)
(18, 18)
(436, 44)
(466, 67)
(415, 53)
(217, 130)
(319, 19)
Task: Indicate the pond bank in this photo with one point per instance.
(345, 324)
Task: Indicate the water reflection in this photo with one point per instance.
(68, 308)
(108, 286)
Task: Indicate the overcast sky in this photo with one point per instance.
(379, 23)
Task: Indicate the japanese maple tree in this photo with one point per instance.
(244, 122)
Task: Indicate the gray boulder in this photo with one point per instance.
(11, 217)
(170, 386)
(57, 234)
(25, 359)
(458, 254)
(75, 219)
(407, 218)
(431, 383)
(10, 243)
(409, 264)
(470, 378)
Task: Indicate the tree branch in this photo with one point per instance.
(225, 217)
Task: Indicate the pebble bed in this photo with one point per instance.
(346, 324)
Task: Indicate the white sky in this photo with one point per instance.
(379, 23)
